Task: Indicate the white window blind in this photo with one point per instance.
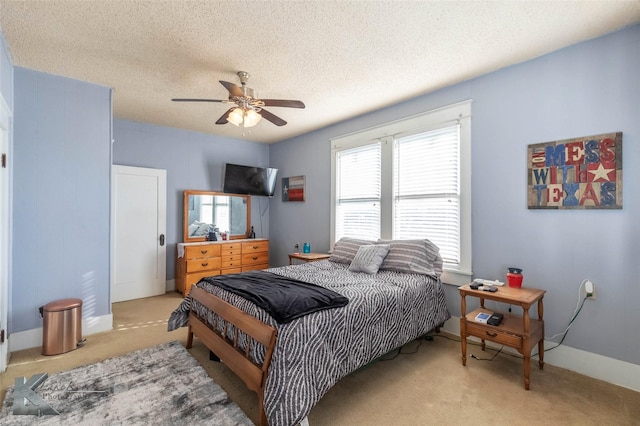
(358, 172)
(427, 189)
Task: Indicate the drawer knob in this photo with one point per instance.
(205, 264)
(491, 334)
(254, 258)
(255, 247)
(204, 251)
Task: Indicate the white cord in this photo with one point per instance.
(572, 315)
(574, 312)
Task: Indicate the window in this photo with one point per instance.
(358, 192)
(216, 207)
(408, 179)
(427, 190)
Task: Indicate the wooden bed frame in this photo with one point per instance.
(225, 346)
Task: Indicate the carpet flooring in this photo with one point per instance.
(424, 385)
(158, 385)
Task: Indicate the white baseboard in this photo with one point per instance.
(600, 367)
(33, 338)
(171, 286)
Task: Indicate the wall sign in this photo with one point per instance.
(580, 173)
(293, 188)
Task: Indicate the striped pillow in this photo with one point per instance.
(369, 258)
(413, 256)
(345, 249)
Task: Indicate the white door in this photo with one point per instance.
(4, 232)
(138, 207)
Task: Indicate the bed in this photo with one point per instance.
(394, 296)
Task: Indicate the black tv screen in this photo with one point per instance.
(249, 180)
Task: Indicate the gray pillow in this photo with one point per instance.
(413, 256)
(203, 229)
(345, 249)
(369, 258)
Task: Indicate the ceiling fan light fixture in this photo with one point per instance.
(235, 116)
(251, 118)
(245, 117)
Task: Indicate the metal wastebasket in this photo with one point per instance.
(62, 330)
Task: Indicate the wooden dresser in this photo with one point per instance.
(204, 259)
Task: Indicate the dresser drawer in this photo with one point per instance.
(202, 251)
(192, 279)
(255, 258)
(231, 261)
(231, 249)
(196, 265)
(255, 267)
(255, 247)
(493, 334)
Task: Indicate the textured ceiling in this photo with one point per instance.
(342, 58)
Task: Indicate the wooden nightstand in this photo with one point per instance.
(307, 257)
(519, 332)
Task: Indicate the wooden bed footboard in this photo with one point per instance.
(225, 346)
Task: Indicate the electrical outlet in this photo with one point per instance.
(590, 290)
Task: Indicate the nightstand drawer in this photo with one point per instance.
(493, 334)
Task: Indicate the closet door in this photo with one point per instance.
(139, 258)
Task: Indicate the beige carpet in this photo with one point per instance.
(426, 385)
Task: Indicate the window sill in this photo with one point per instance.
(457, 278)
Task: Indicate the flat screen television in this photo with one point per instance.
(249, 180)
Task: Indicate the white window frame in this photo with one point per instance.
(457, 113)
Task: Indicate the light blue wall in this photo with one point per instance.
(192, 161)
(61, 181)
(591, 88)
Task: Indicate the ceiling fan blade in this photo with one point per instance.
(223, 119)
(195, 100)
(232, 88)
(272, 118)
(283, 103)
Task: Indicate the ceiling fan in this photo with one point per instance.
(247, 110)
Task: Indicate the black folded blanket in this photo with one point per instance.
(285, 299)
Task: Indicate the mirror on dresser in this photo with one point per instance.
(204, 209)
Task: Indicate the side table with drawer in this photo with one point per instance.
(516, 331)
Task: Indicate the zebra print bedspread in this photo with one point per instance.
(385, 311)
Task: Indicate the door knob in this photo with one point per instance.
(161, 240)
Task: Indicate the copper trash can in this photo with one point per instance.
(62, 330)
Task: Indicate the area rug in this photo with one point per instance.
(160, 385)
